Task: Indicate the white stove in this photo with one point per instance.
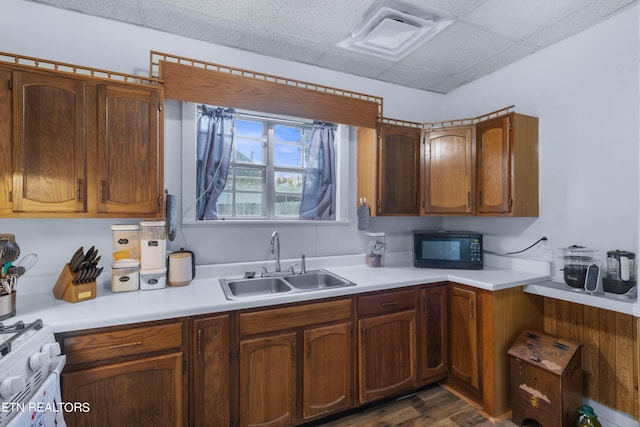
(30, 366)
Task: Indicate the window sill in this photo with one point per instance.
(231, 222)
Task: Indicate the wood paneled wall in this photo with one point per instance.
(609, 353)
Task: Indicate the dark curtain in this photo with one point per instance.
(214, 145)
(319, 186)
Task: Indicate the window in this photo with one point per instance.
(268, 159)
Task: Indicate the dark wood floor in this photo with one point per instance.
(433, 407)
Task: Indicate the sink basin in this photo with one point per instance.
(317, 279)
(260, 287)
(251, 288)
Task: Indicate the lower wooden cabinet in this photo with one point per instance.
(434, 330)
(387, 358)
(295, 363)
(465, 359)
(209, 397)
(146, 391)
(327, 373)
(268, 380)
(129, 376)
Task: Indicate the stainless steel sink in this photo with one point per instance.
(260, 287)
(317, 279)
(252, 288)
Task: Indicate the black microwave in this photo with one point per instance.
(447, 249)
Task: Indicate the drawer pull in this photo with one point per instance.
(130, 344)
(388, 303)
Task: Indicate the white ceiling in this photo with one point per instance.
(486, 34)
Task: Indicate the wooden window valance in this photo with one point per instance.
(201, 82)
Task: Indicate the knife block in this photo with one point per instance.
(66, 290)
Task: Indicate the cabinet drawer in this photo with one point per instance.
(387, 302)
(99, 346)
(278, 319)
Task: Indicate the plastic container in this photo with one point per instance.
(153, 279)
(125, 275)
(587, 417)
(375, 249)
(126, 241)
(152, 245)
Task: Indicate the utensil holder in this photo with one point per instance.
(66, 290)
(7, 305)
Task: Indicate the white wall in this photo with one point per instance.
(585, 92)
(41, 31)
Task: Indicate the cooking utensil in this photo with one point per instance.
(25, 263)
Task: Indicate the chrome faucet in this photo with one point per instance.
(275, 247)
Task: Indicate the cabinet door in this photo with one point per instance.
(210, 376)
(464, 336)
(49, 144)
(399, 170)
(143, 392)
(129, 167)
(268, 380)
(448, 172)
(387, 358)
(433, 334)
(327, 372)
(494, 166)
(6, 141)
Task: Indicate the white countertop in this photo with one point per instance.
(204, 294)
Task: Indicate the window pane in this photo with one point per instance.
(288, 182)
(287, 133)
(287, 155)
(249, 129)
(288, 205)
(249, 150)
(249, 179)
(225, 204)
(248, 204)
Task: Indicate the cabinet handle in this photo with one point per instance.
(388, 303)
(424, 304)
(79, 190)
(103, 184)
(468, 199)
(470, 309)
(480, 198)
(199, 341)
(129, 344)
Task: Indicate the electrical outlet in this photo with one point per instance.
(545, 244)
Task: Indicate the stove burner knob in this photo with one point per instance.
(52, 349)
(11, 385)
(39, 360)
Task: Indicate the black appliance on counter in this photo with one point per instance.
(621, 272)
(447, 249)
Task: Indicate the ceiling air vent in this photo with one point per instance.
(391, 29)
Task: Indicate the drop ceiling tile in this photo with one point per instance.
(520, 19)
(231, 10)
(501, 59)
(406, 75)
(455, 8)
(354, 63)
(119, 10)
(456, 48)
(185, 22)
(280, 45)
(325, 22)
(578, 21)
(447, 85)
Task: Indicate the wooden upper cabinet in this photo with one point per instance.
(449, 172)
(507, 166)
(49, 150)
(129, 167)
(389, 170)
(399, 170)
